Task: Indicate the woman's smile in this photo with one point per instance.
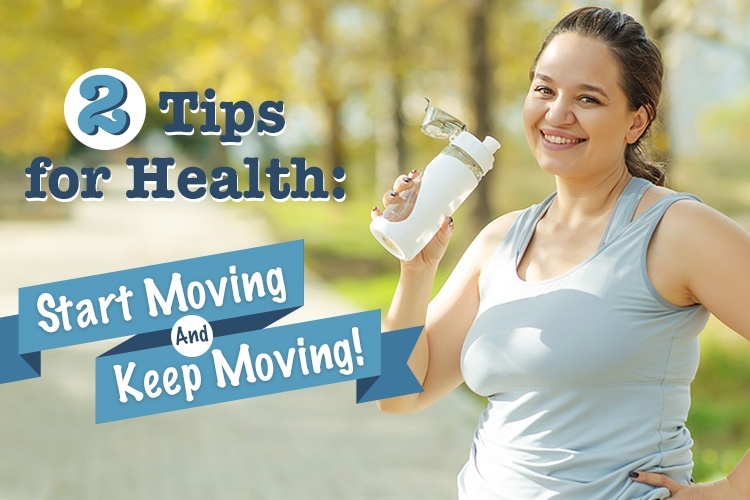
(558, 140)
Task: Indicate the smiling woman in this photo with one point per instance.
(635, 77)
(578, 318)
(584, 112)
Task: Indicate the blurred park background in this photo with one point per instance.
(353, 76)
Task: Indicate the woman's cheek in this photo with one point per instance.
(530, 110)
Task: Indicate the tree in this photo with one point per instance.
(481, 91)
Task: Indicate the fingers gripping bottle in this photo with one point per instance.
(407, 225)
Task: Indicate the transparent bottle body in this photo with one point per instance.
(407, 226)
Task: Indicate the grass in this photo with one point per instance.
(341, 250)
(720, 415)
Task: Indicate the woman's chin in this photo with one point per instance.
(556, 168)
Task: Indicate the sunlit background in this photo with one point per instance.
(354, 77)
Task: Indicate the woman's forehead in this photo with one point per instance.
(573, 59)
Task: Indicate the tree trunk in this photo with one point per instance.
(391, 153)
(318, 12)
(397, 85)
(661, 148)
(481, 102)
(335, 148)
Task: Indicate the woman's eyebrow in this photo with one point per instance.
(593, 88)
(582, 86)
(543, 77)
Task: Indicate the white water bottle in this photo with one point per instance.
(406, 227)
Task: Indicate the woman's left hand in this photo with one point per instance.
(722, 489)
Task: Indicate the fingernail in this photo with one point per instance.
(407, 179)
(450, 221)
(374, 208)
(633, 475)
(394, 193)
(413, 172)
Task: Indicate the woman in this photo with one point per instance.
(578, 317)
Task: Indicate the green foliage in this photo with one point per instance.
(721, 403)
(727, 127)
(342, 250)
(720, 178)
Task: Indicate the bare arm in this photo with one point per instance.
(435, 360)
(719, 278)
(718, 267)
(711, 267)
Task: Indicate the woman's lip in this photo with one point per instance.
(559, 133)
(559, 147)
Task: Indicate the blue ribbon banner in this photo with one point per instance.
(228, 354)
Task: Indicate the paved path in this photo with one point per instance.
(309, 444)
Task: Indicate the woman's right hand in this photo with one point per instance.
(433, 252)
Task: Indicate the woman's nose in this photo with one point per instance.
(559, 112)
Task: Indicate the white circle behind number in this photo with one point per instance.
(192, 336)
(134, 107)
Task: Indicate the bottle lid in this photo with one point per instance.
(481, 152)
(440, 124)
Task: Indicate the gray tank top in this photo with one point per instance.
(587, 374)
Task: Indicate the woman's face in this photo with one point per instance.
(576, 115)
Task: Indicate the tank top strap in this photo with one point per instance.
(624, 209)
(652, 215)
(519, 236)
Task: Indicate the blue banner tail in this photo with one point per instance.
(14, 366)
(396, 378)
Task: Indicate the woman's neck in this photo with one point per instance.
(577, 202)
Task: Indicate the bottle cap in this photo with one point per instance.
(440, 124)
(481, 152)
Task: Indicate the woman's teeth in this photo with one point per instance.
(561, 140)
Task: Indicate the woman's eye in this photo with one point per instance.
(543, 90)
(590, 100)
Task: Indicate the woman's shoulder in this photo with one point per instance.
(693, 247)
(493, 234)
(678, 213)
(497, 229)
(687, 219)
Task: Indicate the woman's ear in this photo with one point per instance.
(641, 119)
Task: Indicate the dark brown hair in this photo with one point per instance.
(641, 70)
